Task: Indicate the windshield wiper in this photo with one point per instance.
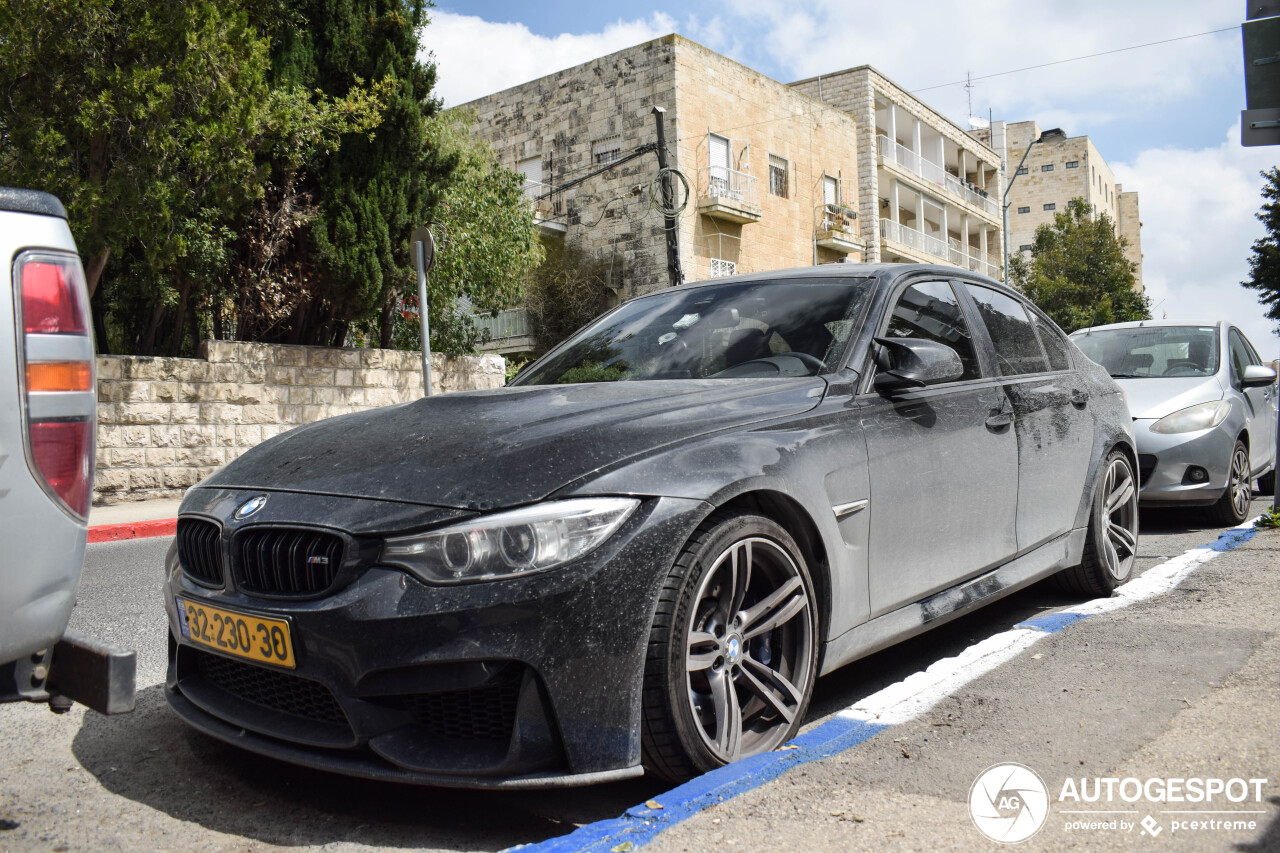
(1128, 376)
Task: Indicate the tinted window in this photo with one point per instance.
(931, 311)
(1240, 355)
(1142, 351)
(1017, 350)
(1054, 345)
(762, 329)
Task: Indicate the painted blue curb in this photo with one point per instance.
(640, 824)
(1052, 623)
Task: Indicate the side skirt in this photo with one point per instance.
(884, 631)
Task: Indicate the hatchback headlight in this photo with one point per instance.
(1193, 418)
(510, 543)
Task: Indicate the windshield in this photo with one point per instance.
(1153, 350)
(787, 327)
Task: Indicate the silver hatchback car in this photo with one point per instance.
(1204, 410)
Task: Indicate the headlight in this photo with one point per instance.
(1193, 418)
(510, 543)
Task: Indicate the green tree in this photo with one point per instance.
(1078, 273)
(1264, 265)
(487, 242)
(372, 190)
(140, 117)
(570, 289)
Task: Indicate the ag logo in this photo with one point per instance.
(1008, 803)
(250, 506)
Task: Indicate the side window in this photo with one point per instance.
(1017, 349)
(1054, 346)
(931, 311)
(1240, 356)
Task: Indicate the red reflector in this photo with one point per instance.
(50, 303)
(61, 450)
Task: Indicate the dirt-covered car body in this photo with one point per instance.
(890, 466)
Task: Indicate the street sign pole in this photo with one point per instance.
(423, 247)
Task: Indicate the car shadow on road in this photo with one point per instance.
(153, 758)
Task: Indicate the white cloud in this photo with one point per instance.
(475, 57)
(1197, 208)
(922, 44)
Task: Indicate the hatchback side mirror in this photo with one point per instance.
(914, 363)
(1257, 376)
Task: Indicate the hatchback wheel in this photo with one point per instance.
(1111, 543)
(1233, 507)
(733, 649)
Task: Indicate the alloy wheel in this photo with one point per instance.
(1239, 485)
(749, 640)
(1119, 518)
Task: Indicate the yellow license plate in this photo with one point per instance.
(244, 635)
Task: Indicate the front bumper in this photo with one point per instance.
(1165, 463)
(527, 682)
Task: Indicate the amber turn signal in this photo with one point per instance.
(59, 376)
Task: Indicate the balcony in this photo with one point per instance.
(931, 172)
(547, 216)
(951, 251)
(835, 227)
(727, 194)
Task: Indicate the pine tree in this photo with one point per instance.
(1264, 265)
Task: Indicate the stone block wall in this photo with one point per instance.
(166, 423)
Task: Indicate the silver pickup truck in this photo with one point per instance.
(47, 439)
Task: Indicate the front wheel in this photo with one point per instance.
(1233, 507)
(733, 651)
(1111, 543)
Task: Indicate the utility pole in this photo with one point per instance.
(668, 202)
(423, 246)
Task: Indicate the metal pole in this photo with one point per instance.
(674, 274)
(419, 260)
(1275, 493)
(1004, 238)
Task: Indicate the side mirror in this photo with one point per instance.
(914, 363)
(1257, 376)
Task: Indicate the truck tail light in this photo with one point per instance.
(58, 372)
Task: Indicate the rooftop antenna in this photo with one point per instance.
(968, 87)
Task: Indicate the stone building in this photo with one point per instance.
(928, 191)
(1057, 171)
(771, 171)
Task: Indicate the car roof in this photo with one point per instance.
(884, 271)
(1141, 324)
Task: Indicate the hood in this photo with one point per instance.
(1156, 396)
(491, 449)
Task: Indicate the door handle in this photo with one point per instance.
(1079, 398)
(1000, 417)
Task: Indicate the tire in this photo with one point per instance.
(1111, 542)
(733, 651)
(1267, 482)
(1233, 507)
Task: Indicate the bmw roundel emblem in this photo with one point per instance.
(250, 506)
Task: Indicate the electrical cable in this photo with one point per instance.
(655, 200)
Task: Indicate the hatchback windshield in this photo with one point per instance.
(789, 327)
(1153, 350)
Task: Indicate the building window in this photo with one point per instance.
(1073, 164)
(720, 268)
(1047, 167)
(777, 176)
(531, 168)
(830, 190)
(1051, 206)
(1023, 170)
(1025, 247)
(606, 150)
(1024, 210)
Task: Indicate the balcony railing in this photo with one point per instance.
(914, 239)
(935, 174)
(718, 182)
(511, 323)
(834, 217)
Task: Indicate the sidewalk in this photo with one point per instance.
(133, 520)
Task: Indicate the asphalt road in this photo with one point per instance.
(1182, 685)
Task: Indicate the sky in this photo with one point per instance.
(1165, 116)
